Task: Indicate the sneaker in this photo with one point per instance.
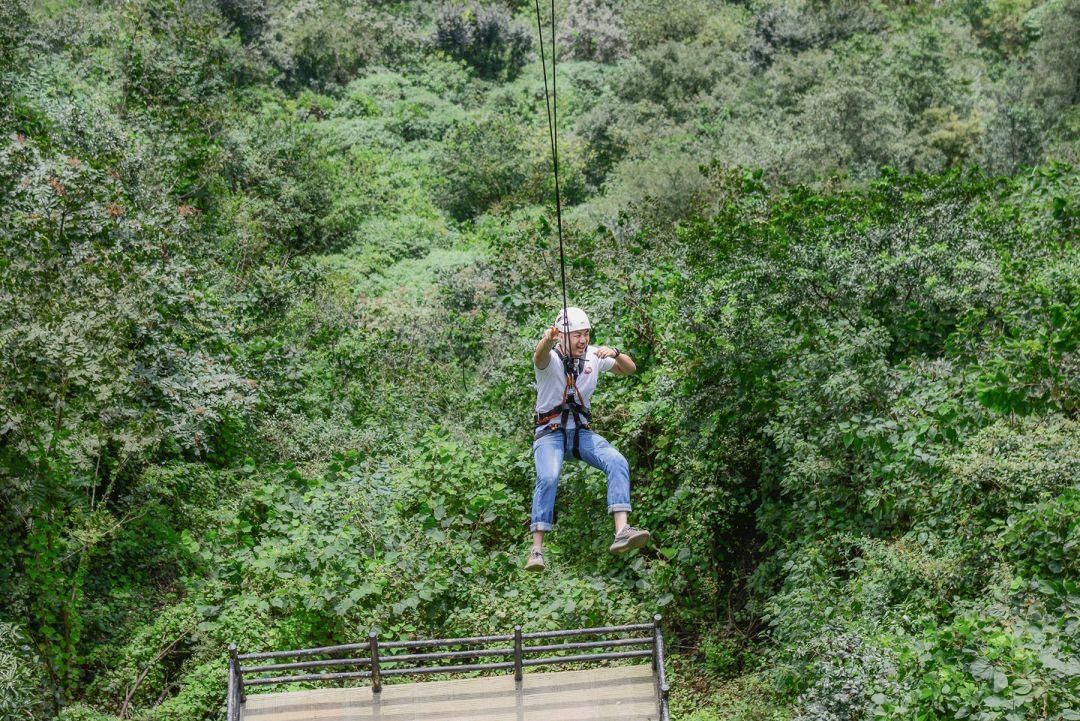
(536, 561)
(630, 538)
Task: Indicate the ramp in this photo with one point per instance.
(606, 683)
(605, 694)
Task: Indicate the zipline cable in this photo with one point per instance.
(550, 104)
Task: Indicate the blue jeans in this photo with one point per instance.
(597, 452)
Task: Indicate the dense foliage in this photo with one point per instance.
(271, 273)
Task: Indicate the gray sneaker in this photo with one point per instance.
(630, 538)
(536, 561)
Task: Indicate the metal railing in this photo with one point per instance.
(400, 658)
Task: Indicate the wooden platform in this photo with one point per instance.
(624, 693)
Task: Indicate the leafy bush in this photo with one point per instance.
(592, 30)
(480, 165)
(250, 17)
(82, 712)
(1044, 539)
(13, 17)
(650, 22)
(1040, 371)
(325, 43)
(799, 26)
(20, 683)
(379, 243)
(851, 679)
(289, 182)
(670, 74)
(672, 189)
(486, 37)
(993, 660)
(1056, 60)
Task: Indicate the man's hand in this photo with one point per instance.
(624, 364)
(543, 348)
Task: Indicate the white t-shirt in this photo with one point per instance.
(551, 381)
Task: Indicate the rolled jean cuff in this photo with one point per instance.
(616, 507)
(540, 526)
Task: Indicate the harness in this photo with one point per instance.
(570, 404)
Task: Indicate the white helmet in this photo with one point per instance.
(575, 318)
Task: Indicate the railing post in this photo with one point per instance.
(658, 666)
(230, 698)
(517, 653)
(376, 678)
(236, 686)
(234, 664)
(656, 640)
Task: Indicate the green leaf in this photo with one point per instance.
(981, 669)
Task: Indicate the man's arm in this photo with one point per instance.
(624, 364)
(542, 354)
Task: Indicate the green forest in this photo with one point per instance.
(272, 273)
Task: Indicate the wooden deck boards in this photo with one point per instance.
(623, 693)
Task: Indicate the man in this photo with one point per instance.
(567, 369)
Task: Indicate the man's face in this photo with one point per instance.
(579, 341)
